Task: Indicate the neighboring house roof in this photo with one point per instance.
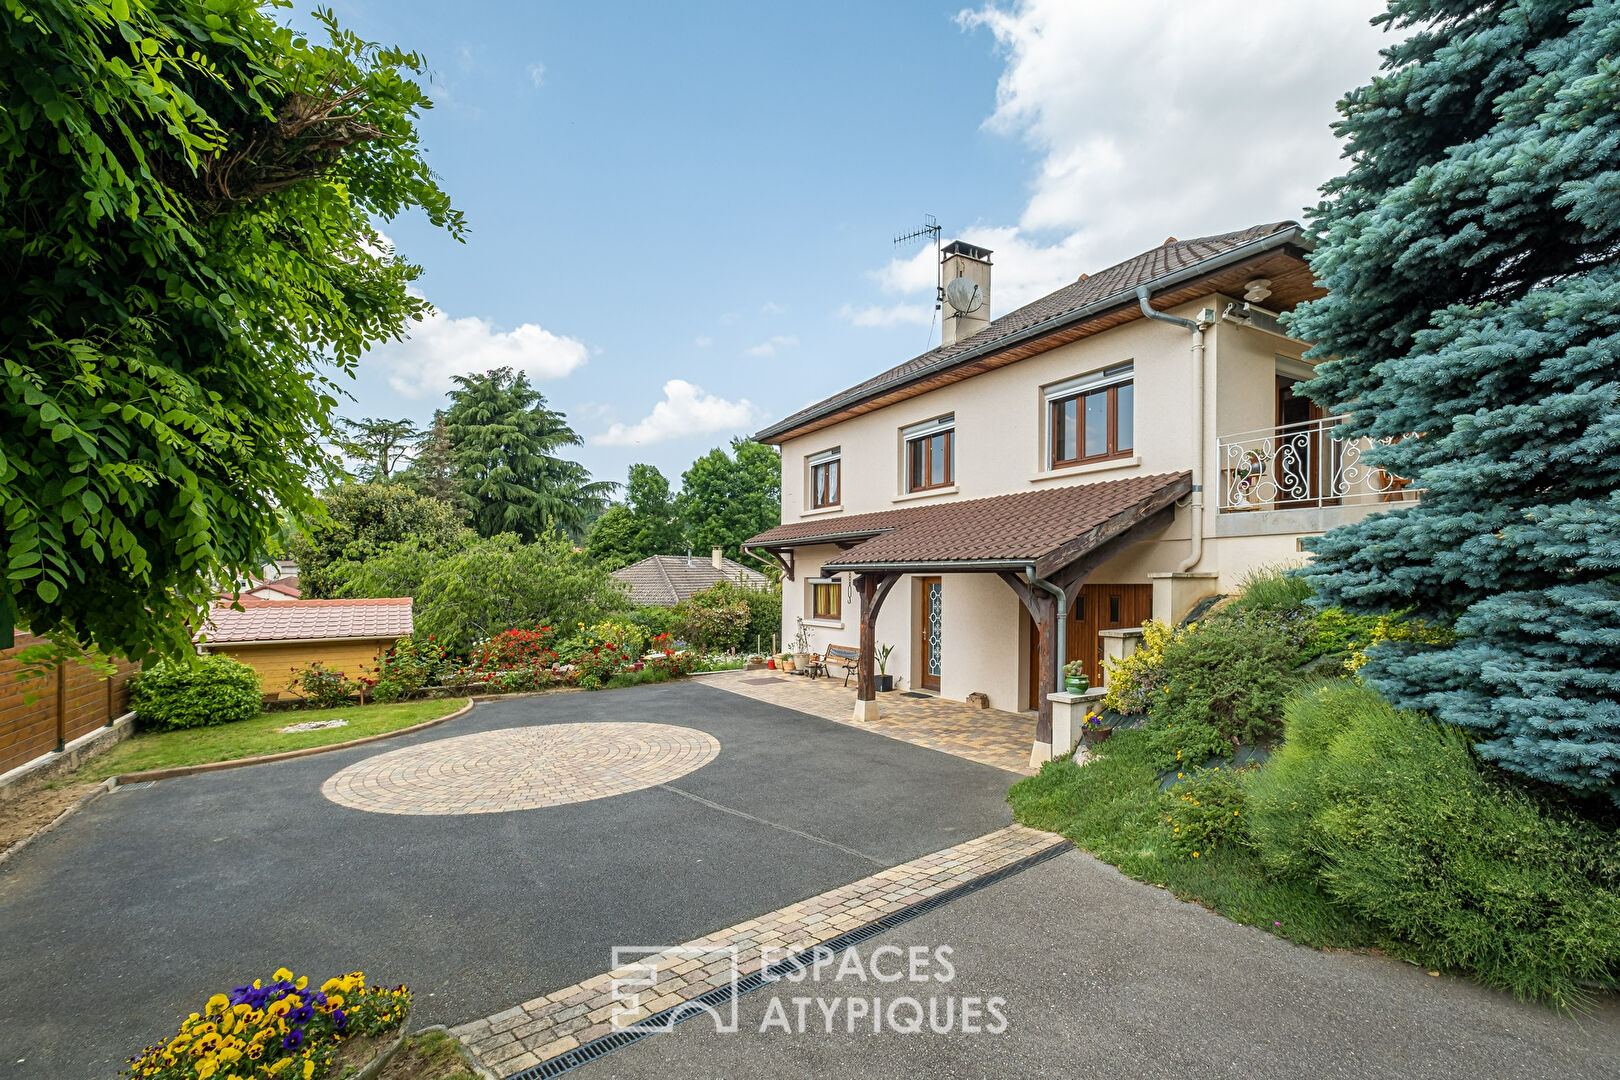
(666, 580)
(1025, 527)
(286, 586)
(1174, 262)
(307, 620)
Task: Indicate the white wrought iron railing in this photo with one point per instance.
(1301, 465)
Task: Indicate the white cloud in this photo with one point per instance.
(703, 341)
(537, 74)
(771, 307)
(892, 315)
(685, 410)
(1157, 118)
(438, 347)
(770, 347)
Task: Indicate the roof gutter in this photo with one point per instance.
(818, 538)
(935, 566)
(1277, 239)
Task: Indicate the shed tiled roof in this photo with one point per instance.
(287, 586)
(308, 620)
(1117, 282)
(1024, 526)
(666, 580)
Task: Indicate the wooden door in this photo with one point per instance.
(930, 632)
(1097, 607)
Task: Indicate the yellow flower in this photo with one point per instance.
(282, 975)
(303, 981)
(218, 1003)
(1195, 854)
(309, 1069)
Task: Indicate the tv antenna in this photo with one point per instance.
(928, 230)
(925, 232)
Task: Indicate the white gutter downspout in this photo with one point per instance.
(1196, 504)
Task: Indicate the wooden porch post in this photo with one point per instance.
(1042, 607)
(874, 588)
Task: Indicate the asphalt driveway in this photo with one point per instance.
(1101, 976)
(135, 910)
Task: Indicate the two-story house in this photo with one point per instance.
(1121, 448)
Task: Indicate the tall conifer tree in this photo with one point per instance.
(1472, 258)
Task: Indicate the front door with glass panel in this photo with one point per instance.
(930, 632)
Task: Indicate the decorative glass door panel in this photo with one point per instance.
(932, 632)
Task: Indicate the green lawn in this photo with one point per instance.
(248, 738)
(1114, 809)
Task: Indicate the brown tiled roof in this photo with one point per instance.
(308, 620)
(287, 586)
(1116, 283)
(666, 580)
(1026, 526)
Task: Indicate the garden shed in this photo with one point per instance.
(276, 637)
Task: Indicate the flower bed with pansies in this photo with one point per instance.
(282, 1028)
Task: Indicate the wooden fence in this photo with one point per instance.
(73, 702)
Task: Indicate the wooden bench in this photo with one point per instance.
(846, 657)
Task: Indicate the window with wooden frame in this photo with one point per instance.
(931, 454)
(826, 599)
(1092, 418)
(824, 479)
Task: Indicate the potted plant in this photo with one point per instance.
(1093, 730)
(801, 648)
(1074, 677)
(754, 662)
(785, 661)
(885, 681)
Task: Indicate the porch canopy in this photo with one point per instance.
(1042, 543)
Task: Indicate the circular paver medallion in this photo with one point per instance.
(493, 772)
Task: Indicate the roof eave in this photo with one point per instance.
(1293, 234)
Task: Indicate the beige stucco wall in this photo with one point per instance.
(1001, 447)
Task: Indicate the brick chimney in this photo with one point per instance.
(966, 310)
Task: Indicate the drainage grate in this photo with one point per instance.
(915, 693)
(723, 995)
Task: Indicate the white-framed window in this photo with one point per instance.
(1092, 417)
(826, 479)
(930, 453)
(826, 599)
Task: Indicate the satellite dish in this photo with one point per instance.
(964, 294)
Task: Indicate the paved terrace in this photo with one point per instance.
(987, 736)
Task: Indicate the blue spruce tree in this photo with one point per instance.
(1472, 257)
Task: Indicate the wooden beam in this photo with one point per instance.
(1042, 608)
(1135, 524)
(783, 558)
(1071, 577)
(874, 589)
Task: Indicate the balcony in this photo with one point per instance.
(1301, 467)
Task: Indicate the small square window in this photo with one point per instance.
(826, 599)
(1092, 425)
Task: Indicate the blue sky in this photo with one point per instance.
(681, 214)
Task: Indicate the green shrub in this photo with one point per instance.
(405, 668)
(713, 627)
(322, 687)
(1132, 680)
(1397, 821)
(1272, 588)
(653, 619)
(1186, 743)
(195, 693)
(1232, 674)
(1206, 813)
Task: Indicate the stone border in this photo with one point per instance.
(525, 1036)
(52, 763)
(285, 755)
(101, 789)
